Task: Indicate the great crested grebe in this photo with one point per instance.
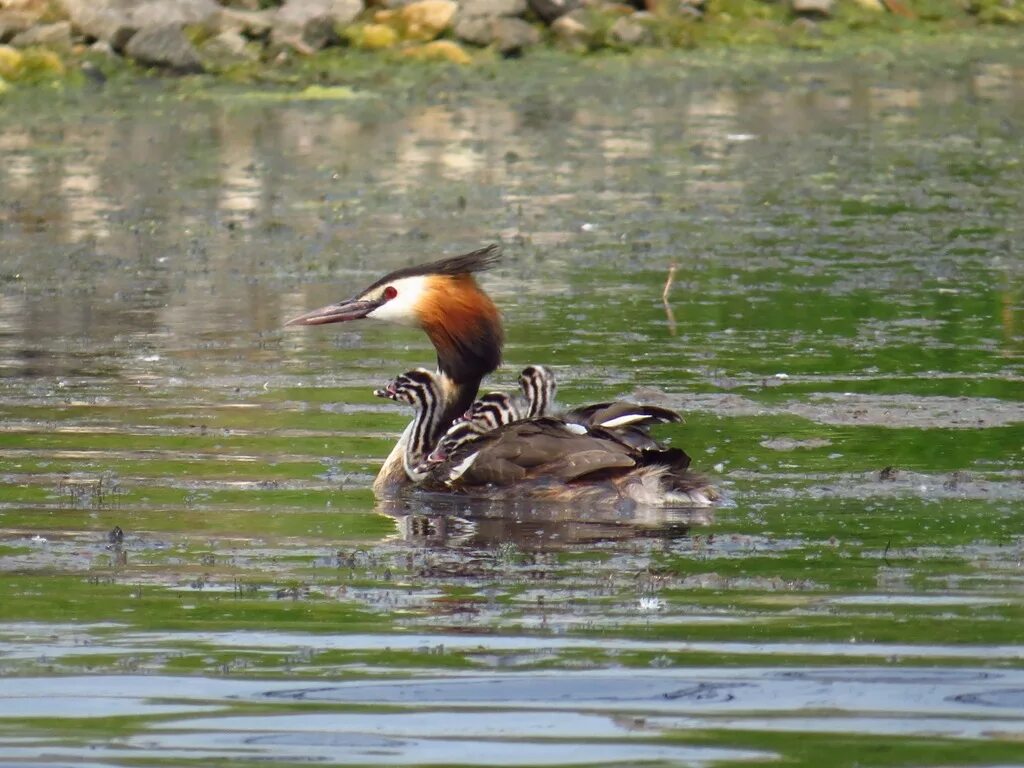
(539, 457)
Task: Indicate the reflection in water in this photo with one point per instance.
(243, 191)
(437, 520)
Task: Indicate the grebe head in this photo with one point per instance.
(457, 436)
(538, 385)
(492, 410)
(419, 388)
(442, 298)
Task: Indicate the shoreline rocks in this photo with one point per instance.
(191, 36)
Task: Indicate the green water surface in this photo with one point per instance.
(844, 334)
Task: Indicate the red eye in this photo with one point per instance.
(390, 292)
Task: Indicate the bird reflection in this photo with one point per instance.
(442, 521)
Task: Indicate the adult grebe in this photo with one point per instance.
(533, 457)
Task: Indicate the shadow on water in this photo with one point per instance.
(192, 563)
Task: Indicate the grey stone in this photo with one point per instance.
(14, 23)
(56, 36)
(820, 8)
(107, 20)
(164, 46)
(156, 13)
(549, 10)
(299, 12)
(227, 48)
(103, 48)
(631, 30)
(312, 24)
(512, 34)
(507, 34)
(248, 23)
(571, 29)
(491, 8)
(475, 29)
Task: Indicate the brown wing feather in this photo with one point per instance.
(542, 449)
(586, 462)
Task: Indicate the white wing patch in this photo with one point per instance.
(621, 421)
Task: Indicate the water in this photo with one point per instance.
(843, 334)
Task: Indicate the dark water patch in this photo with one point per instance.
(1011, 699)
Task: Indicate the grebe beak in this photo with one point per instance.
(353, 309)
(388, 391)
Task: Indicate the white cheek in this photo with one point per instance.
(401, 309)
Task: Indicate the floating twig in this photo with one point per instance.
(664, 298)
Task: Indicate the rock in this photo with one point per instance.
(426, 19)
(56, 36)
(374, 37)
(313, 23)
(319, 33)
(491, 8)
(14, 23)
(107, 20)
(227, 48)
(632, 30)
(475, 29)
(11, 61)
(156, 13)
(253, 24)
(507, 34)
(549, 10)
(495, 22)
(300, 11)
(164, 46)
(571, 30)
(102, 48)
(820, 8)
(512, 35)
(440, 50)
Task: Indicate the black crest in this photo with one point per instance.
(467, 263)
